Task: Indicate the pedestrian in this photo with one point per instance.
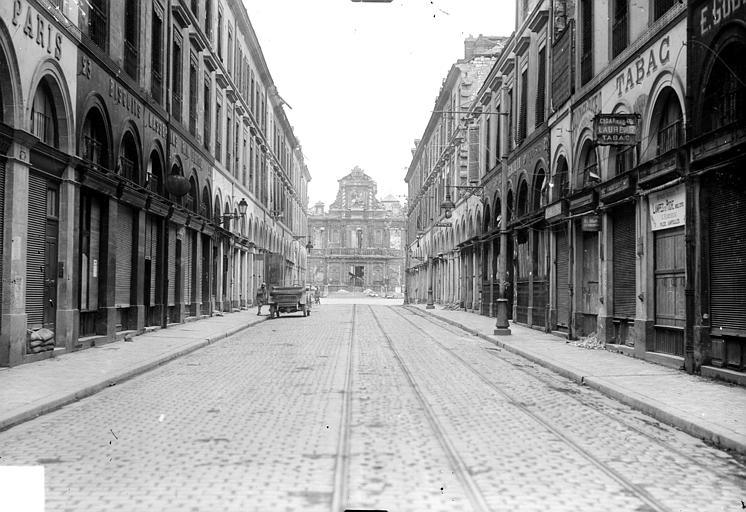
(261, 298)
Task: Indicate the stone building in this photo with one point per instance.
(359, 242)
(609, 201)
(146, 167)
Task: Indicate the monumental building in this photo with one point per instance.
(146, 168)
(359, 242)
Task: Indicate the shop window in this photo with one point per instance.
(43, 116)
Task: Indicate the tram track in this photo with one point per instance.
(471, 489)
(547, 382)
(642, 494)
(340, 492)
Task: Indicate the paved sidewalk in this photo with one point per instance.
(707, 409)
(32, 389)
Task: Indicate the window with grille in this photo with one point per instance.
(43, 116)
(586, 46)
(541, 86)
(156, 53)
(98, 25)
(131, 33)
(176, 81)
(619, 28)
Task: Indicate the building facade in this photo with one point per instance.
(147, 167)
(608, 173)
(359, 242)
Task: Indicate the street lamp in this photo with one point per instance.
(448, 205)
(242, 207)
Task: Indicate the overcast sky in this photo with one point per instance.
(362, 78)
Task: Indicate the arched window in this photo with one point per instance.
(227, 211)
(588, 166)
(725, 96)
(94, 145)
(522, 199)
(561, 180)
(510, 205)
(44, 116)
(129, 167)
(155, 173)
(205, 207)
(192, 201)
(667, 134)
(540, 195)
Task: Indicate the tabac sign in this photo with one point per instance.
(668, 208)
(616, 129)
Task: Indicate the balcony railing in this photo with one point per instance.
(93, 150)
(588, 176)
(624, 160)
(130, 59)
(727, 105)
(669, 137)
(126, 168)
(97, 26)
(619, 36)
(154, 183)
(176, 105)
(43, 128)
(188, 203)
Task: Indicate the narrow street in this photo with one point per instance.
(364, 407)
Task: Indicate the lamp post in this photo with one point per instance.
(501, 318)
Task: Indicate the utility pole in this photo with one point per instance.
(501, 321)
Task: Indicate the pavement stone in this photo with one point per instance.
(705, 408)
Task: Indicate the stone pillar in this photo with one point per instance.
(138, 304)
(13, 335)
(68, 284)
(605, 323)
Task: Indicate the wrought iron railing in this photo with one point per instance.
(619, 35)
(97, 25)
(669, 137)
(725, 106)
(93, 150)
(154, 183)
(130, 59)
(126, 168)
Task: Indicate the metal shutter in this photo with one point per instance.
(563, 275)
(187, 258)
(151, 253)
(36, 249)
(623, 260)
(125, 223)
(171, 264)
(728, 256)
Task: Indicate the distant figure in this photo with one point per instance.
(316, 295)
(261, 298)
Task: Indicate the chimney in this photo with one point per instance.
(470, 45)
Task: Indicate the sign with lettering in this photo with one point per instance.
(645, 65)
(616, 129)
(37, 28)
(668, 208)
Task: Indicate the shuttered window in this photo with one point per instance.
(563, 271)
(728, 255)
(473, 154)
(187, 258)
(36, 250)
(523, 113)
(125, 225)
(541, 83)
(151, 253)
(171, 264)
(623, 260)
(90, 259)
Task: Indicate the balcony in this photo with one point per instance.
(154, 183)
(669, 138)
(43, 128)
(97, 26)
(130, 59)
(93, 151)
(619, 35)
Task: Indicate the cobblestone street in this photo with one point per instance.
(364, 407)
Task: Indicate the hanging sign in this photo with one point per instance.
(616, 129)
(667, 208)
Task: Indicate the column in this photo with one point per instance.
(13, 338)
(68, 315)
(138, 271)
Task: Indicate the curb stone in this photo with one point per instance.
(706, 432)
